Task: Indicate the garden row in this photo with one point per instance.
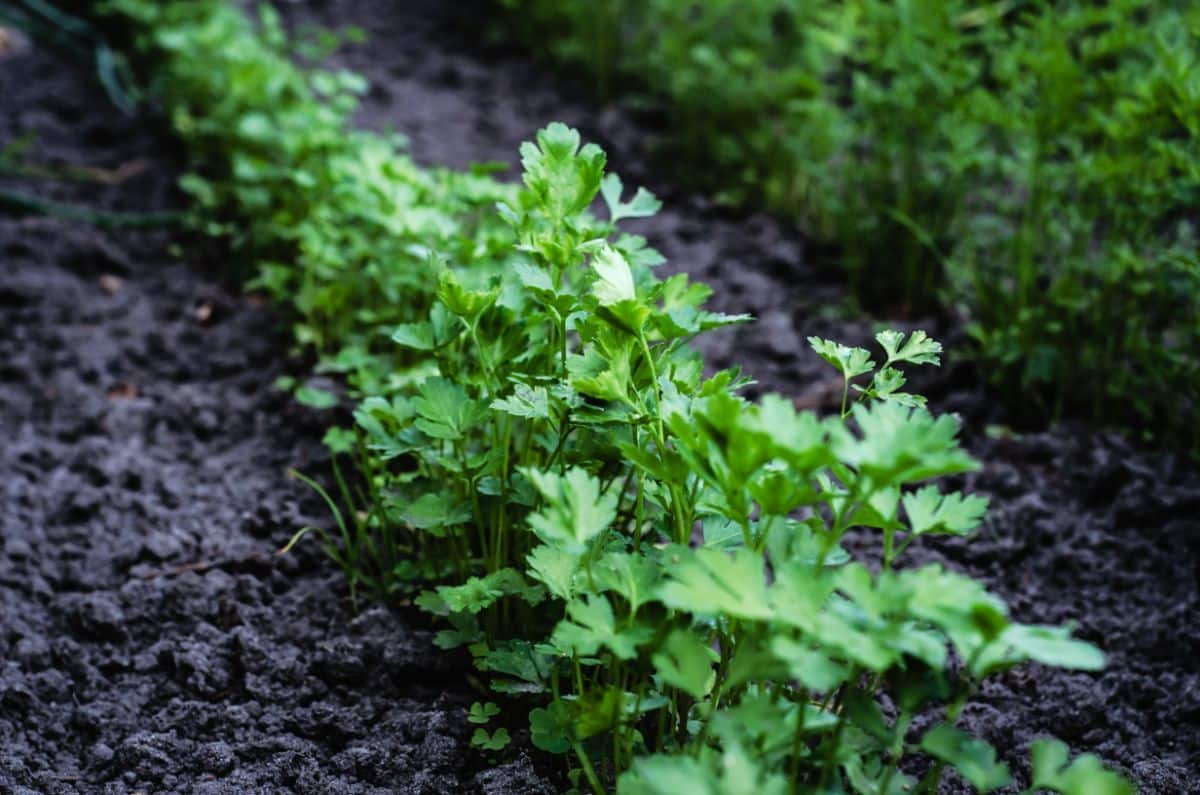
(646, 564)
(1028, 167)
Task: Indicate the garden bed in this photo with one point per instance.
(153, 641)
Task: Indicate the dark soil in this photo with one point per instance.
(151, 641)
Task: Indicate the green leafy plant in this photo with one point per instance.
(648, 563)
(1030, 167)
(340, 225)
(656, 561)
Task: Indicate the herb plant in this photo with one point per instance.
(657, 559)
(647, 567)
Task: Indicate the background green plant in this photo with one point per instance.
(650, 561)
(1029, 165)
(338, 224)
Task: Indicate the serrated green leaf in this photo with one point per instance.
(1043, 644)
(929, 511)
(973, 758)
(616, 293)
(663, 774)
(812, 667)
(575, 510)
(531, 402)
(733, 771)
(534, 277)
(590, 625)
(606, 378)
(885, 385)
(720, 532)
(715, 582)
(632, 576)
(898, 444)
(418, 336)
(919, 349)
(445, 411)
(686, 663)
(642, 205)
(555, 568)
(434, 511)
(467, 304)
(480, 593)
(850, 362)
(563, 176)
(1086, 775)
(886, 381)
(521, 660)
(957, 605)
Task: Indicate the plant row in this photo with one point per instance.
(647, 568)
(1031, 167)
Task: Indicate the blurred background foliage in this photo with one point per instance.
(1029, 167)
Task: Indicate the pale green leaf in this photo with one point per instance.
(850, 361)
(444, 410)
(614, 282)
(642, 205)
(590, 626)
(555, 568)
(929, 511)
(575, 510)
(714, 582)
(314, 398)
(686, 663)
(531, 402)
(919, 349)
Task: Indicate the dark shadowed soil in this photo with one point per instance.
(150, 640)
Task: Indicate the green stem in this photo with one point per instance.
(588, 771)
(829, 764)
(679, 513)
(797, 743)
